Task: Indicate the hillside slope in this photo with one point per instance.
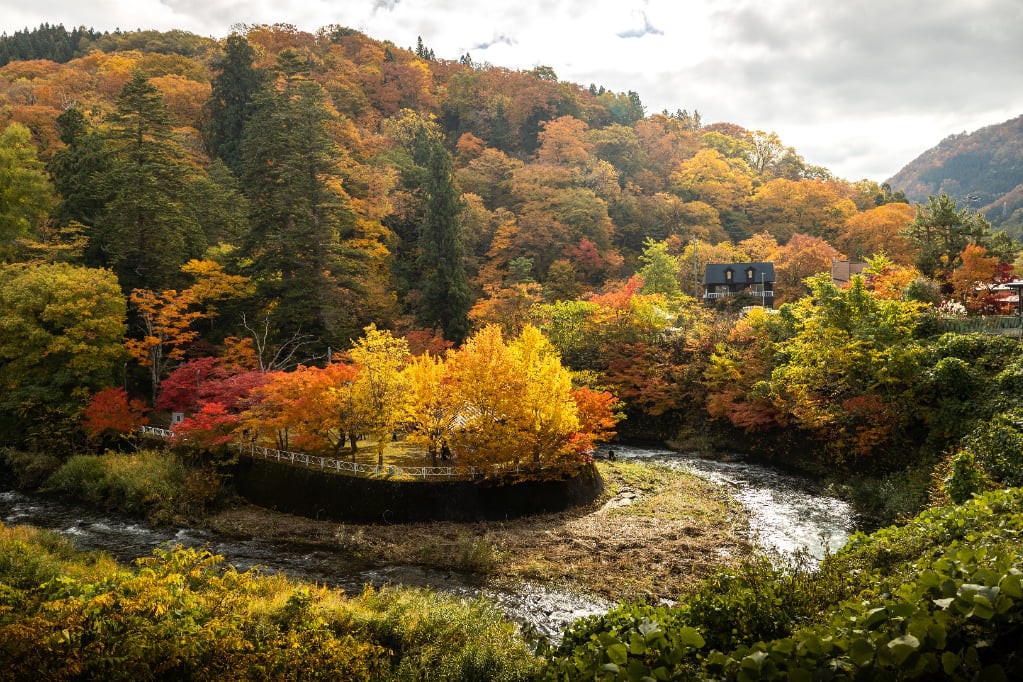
(986, 164)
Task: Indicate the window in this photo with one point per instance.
(749, 274)
(728, 275)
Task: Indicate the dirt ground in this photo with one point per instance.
(652, 535)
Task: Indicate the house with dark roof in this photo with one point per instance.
(722, 280)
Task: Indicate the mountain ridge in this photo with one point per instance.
(982, 169)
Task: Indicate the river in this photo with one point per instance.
(787, 515)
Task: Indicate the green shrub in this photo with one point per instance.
(886, 499)
(997, 446)
(966, 478)
(30, 469)
(940, 598)
(81, 477)
(148, 482)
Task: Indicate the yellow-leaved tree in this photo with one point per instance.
(432, 409)
(380, 390)
(514, 401)
(547, 414)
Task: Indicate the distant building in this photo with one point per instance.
(722, 280)
(842, 271)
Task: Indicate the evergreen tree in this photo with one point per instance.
(942, 231)
(230, 104)
(446, 295)
(148, 228)
(299, 214)
(77, 170)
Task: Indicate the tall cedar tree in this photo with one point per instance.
(148, 228)
(446, 295)
(298, 212)
(231, 101)
(78, 169)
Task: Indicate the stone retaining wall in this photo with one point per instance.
(307, 492)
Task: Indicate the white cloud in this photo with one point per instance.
(861, 87)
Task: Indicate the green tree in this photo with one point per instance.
(231, 102)
(942, 231)
(847, 371)
(26, 195)
(61, 328)
(660, 270)
(78, 170)
(446, 295)
(148, 229)
(300, 213)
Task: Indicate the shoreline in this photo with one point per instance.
(652, 535)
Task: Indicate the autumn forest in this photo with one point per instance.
(312, 240)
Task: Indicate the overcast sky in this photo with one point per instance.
(859, 86)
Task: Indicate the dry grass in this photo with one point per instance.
(653, 534)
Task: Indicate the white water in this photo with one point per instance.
(788, 514)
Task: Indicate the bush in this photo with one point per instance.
(147, 483)
(887, 499)
(997, 446)
(183, 615)
(30, 469)
(965, 479)
(940, 598)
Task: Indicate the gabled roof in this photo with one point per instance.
(715, 272)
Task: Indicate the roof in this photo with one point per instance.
(843, 270)
(715, 272)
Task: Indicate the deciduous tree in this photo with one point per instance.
(26, 195)
(111, 412)
(62, 327)
(166, 320)
(381, 388)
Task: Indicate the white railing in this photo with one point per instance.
(726, 294)
(350, 468)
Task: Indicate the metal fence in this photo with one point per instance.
(350, 468)
(985, 324)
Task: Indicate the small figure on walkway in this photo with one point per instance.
(445, 451)
(611, 455)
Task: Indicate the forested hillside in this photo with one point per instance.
(986, 166)
(186, 220)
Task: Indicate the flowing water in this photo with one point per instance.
(787, 515)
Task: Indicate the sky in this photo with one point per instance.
(861, 87)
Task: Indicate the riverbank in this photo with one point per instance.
(653, 534)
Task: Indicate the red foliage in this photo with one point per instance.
(872, 422)
(111, 412)
(645, 374)
(620, 298)
(179, 392)
(432, 341)
(207, 380)
(208, 429)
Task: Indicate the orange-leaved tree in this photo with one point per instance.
(112, 412)
(166, 319)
